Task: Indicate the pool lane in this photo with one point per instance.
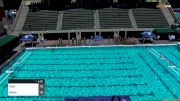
(121, 72)
(160, 79)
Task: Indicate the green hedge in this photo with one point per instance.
(178, 31)
(164, 30)
(5, 39)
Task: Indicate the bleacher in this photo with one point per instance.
(114, 18)
(109, 18)
(41, 21)
(149, 18)
(78, 19)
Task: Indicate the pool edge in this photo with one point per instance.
(137, 45)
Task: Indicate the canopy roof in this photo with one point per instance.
(28, 37)
(148, 34)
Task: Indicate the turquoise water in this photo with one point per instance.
(99, 71)
(178, 14)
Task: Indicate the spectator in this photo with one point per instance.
(169, 37)
(84, 39)
(72, 41)
(172, 37)
(158, 37)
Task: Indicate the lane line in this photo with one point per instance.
(13, 64)
(9, 72)
(18, 62)
(2, 75)
(22, 56)
(175, 71)
(170, 65)
(4, 79)
(25, 57)
(153, 53)
(178, 69)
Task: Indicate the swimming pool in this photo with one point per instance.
(140, 72)
(178, 15)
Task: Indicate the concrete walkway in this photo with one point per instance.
(62, 43)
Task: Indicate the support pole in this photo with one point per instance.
(68, 38)
(115, 35)
(126, 34)
(95, 34)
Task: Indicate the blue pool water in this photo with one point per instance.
(139, 72)
(178, 15)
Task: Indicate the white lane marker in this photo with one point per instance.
(170, 65)
(18, 62)
(4, 79)
(175, 71)
(178, 69)
(2, 75)
(13, 64)
(21, 57)
(25, 57)
(9, 72)
(153, 53)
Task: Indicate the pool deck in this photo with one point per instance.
(8, 61)
(86, 43)
(65, 43)
(131, 41)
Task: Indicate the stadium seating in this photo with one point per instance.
(78, 19)
(114, 18)
(149, 18)
(41, 20)
(109, 18)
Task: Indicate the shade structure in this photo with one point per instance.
(147, 34)
(28, 37)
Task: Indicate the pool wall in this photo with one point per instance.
(10, 61)
(137, 45)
